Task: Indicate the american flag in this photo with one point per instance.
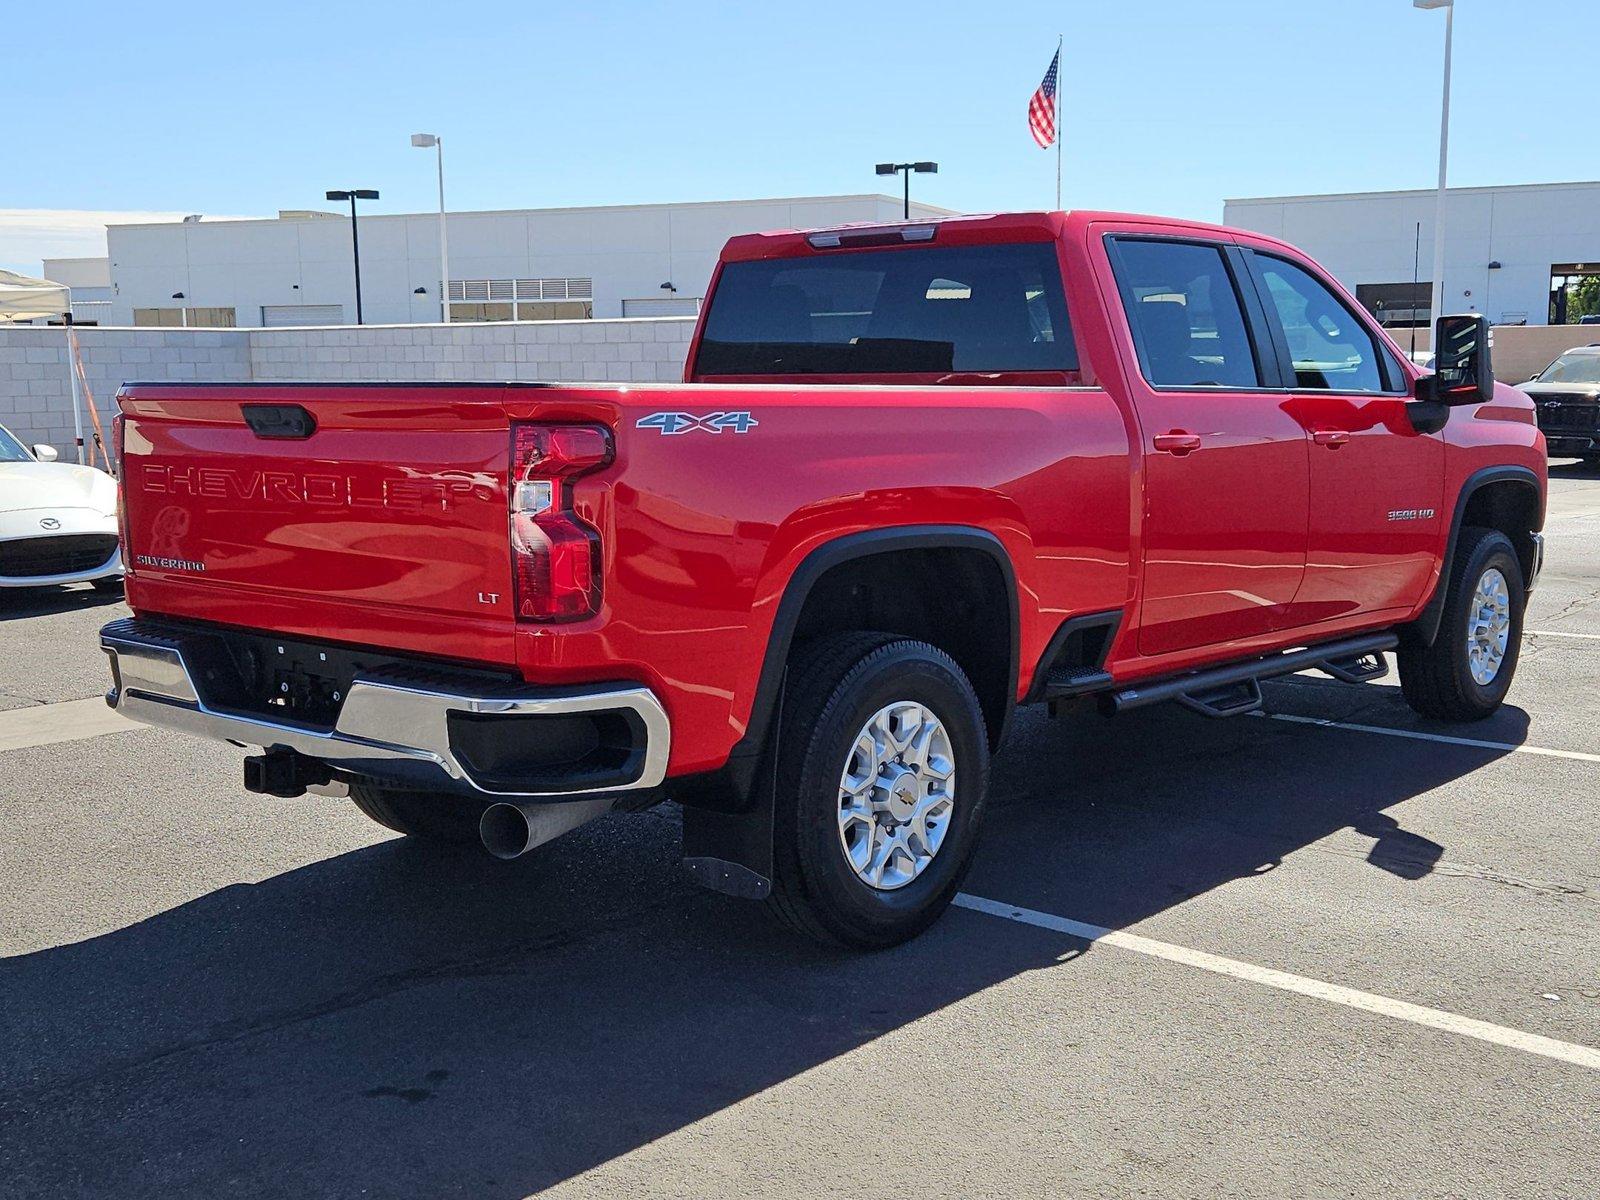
(1042, 108)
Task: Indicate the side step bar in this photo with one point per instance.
(1234, 689)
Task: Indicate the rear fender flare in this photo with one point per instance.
(843, 549)
(728, 813)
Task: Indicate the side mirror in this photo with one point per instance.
(1462, 373)
(45, 453)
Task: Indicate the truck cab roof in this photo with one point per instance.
(960, 229)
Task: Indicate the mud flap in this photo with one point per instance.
(727, 839)
(731, 852)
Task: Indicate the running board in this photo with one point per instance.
(1234, 689)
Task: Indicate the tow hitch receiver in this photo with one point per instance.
(284, 773)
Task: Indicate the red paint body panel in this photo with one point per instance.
(388, 525)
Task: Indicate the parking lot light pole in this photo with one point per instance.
(1444, 154)
(921, 168)
(353, 195)
(426, 141)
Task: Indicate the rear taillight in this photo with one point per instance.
(555, 555)
(118, 435)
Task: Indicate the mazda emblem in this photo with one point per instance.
(49, 523)
(1552, 404)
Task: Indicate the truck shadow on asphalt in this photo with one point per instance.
(395, 1021)
(17, 604)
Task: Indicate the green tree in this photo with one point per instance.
(1583, 297)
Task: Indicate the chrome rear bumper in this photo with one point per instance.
(388, 730)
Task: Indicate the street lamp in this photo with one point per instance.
(921, 168)
(432, 141)
(353, 195)
(1444, 153)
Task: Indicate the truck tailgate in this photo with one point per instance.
(386, 516)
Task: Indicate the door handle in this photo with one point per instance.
(1331, 438)
(1177, 442)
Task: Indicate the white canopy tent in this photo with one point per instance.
(26, 299)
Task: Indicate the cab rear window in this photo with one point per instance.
(884, 312)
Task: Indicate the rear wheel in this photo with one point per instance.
(882, 765)
(1465, 674)
(433, 817)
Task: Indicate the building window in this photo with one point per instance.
(193, 318)
(90, 312)
(1574, 293)
(662, 306)
(556, 310)
(556, 299)
(275, 316)
(480, 312)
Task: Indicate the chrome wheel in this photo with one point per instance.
(1488, 626)
(896, 795)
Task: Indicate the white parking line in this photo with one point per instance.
(1316, 989)
(1588, 637)
(1417, 735)
(69, 721)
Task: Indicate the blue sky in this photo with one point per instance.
(1168, 106)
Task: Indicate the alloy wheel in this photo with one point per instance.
(897, 794)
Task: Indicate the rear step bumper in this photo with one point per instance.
(420, 731)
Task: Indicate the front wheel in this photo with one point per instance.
(1465, 674)
(882, 766)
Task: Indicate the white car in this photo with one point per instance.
(58, 521)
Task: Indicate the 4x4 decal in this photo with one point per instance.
(671, 423)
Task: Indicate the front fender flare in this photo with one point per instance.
(1425, 626)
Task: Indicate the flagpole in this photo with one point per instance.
(1059, 40)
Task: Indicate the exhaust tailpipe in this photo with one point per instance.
(511, 830)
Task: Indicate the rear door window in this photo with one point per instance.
(925, 310)
(1184, 310)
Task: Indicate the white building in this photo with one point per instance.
(90, 282)
(1511, 253)
(522, 264)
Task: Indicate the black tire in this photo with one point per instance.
(1437, 680)
(426, 815)
(834, 686)
(112, 584)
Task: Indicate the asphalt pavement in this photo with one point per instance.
(1335, 950)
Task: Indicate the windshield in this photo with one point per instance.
(1572, 368)
(930, 310)
(11, 450)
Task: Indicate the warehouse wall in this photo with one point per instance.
(1373, 238)
(36, 400)
(628, 251)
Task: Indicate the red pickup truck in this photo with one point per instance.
(917, 474)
